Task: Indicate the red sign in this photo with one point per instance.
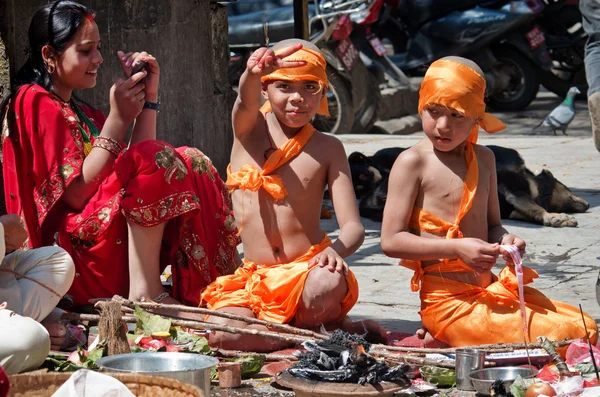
(535, 37)
(378, 46)
(347, 53)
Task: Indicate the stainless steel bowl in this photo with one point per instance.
(187, 367)
(482, 379)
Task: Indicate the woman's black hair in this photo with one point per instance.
(54, 24)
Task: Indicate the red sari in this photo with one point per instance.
(151, 183)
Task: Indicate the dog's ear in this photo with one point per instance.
(548, 174)
(358, 158)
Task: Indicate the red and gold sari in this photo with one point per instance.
(151, 183)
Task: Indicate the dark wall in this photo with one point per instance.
(189, 39)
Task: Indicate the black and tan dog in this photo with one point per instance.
(523, 195)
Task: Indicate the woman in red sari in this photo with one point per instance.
(123, 212)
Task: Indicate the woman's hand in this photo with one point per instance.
(127, 98)
(329, 257)
(477, 254)
(130, 59)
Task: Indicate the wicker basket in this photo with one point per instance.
(45, 384)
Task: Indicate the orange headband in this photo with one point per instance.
(314, 70)
(457, 86)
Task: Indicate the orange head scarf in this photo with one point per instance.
(314, 70)
(453, 85)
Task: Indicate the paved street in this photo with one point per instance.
(567, 259)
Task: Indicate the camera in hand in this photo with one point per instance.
(138, 67)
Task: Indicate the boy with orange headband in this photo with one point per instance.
(292, 272)
(442, 218)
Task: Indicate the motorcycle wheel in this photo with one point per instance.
(341, 112)
(367, 115)
(524, 83)
(559, 86)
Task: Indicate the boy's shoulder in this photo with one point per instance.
(484, 154)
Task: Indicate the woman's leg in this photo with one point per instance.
(144, 261)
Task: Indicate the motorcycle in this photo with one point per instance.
(353, 94)
(503, 41)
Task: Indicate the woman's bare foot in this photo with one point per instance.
(429, 340)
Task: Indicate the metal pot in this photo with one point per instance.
(187, 367)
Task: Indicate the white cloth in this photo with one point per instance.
(86, 383)
(24, 342)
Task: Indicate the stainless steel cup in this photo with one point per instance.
(467, 361)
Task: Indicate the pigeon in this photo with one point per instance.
(561, 116)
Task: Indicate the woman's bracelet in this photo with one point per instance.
(108, 144)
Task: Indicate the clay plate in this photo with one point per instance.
(313, 388)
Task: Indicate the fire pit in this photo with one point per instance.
(342, 366)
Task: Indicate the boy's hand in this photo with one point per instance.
(14, 232)
(511, 239)
(264, 61)
(329, 257)
(477, 254)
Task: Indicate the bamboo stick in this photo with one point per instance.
(199, 310)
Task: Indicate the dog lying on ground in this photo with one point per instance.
(523, 195)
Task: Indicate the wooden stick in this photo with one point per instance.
(296, 339)
(112, 329)
(490, 348)
(199, 310)
(268, 356)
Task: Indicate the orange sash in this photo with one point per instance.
(250, 178)
(272, 292)
(427, 222)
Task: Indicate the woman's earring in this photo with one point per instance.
(50, 68)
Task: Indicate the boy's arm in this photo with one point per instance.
(496, 232)
(495, 228)
(246, 110)
(396, 240)
(352, 232)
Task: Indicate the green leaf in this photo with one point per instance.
(520, 386)
(443, 377)
(250, 364)
(587, 370)
(189, 342)
(55, 363)
(148, 323)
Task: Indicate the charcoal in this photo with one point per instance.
(345, 358)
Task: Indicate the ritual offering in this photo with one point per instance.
(342, 364)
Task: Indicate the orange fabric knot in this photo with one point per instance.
(314, 70)
(454, 232)
(250, 178)
(457, 86)
(415, 281)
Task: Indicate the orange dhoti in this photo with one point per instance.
(461, 314)
(272, 292)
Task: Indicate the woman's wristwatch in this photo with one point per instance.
(152, 106)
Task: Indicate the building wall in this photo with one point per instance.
(189, 39)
